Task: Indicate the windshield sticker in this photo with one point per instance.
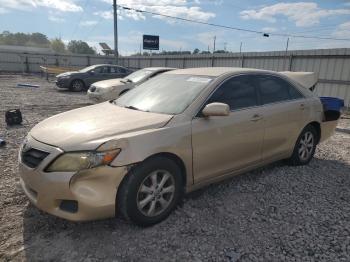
(199, 80)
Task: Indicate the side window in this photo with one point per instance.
(238, 92)
(117, 70)
(114, 70)
(294, 92)
(105, 70)
(97, 70)
(102, 70)
(272, 89)
(121, 70)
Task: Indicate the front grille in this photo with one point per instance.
(70, 206)
(33, 157)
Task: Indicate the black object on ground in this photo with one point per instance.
(27, 85)
(2, 142)
(13, 117)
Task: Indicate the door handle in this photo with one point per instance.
(256, 117)
(302, 106)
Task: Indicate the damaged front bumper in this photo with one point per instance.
(77, 196)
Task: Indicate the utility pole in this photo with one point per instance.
(287, 45)
(214, 43)
(285, 54)
(240, 54)
(115, 14)
(225, 44)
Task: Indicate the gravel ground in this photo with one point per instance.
(277, 213)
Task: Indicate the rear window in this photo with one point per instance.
(273, 89)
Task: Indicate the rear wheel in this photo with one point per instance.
(305, 147)
(150, 192)
(77, 85)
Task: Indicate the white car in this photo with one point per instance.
(113, 88)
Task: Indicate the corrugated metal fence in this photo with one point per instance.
(331, 65)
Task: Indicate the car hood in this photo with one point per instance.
(109, 83)
(88, 127)
(68, 73)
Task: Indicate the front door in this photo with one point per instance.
(228, 143)
(99, 73)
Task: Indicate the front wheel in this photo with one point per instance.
(77, 85)
(305, 147)
(150, 192)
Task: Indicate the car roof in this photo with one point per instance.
(159, 68)
(108, 65)
(215, 71)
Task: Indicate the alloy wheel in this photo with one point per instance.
(156, 193)
(306, 146)
(77, 85)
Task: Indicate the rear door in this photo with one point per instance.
(227, 143)
(117, 72)
(284, 107)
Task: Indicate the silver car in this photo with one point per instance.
(113, 88)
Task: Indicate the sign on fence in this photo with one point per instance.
(151, 42)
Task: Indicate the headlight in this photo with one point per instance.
(63, 77)
(71, 162)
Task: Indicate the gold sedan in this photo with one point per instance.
(138, 155)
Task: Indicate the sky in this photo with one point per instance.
(92, 21)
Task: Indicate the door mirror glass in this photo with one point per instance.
(216, 109)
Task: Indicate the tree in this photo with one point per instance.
(39, 39)
(7, 38)
(21, 39)
(58, 46)
(196, 51)
(80, 47)
(220, 52)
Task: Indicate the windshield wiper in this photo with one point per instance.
(126, 80)
(133, 108)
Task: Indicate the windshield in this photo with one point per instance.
(167, 94)
(87, 69)
(138, 75)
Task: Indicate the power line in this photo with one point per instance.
(92, 29)
(80, 18)
(318, 28)
(232, 27)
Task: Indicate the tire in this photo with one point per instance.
(305, 147)
(139, 201)
(77, 85)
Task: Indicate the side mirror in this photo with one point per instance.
(92, 72)
(216, 109)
